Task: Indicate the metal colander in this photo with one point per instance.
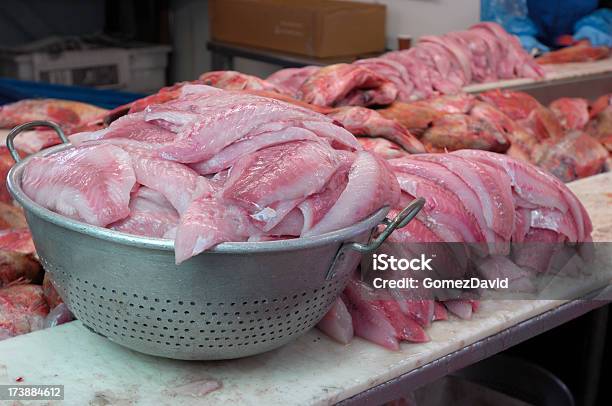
(235, 300)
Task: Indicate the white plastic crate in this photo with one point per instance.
(141, 69)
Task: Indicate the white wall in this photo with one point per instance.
(423, 17)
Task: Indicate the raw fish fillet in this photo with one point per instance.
(207, 222)
(543, 124)
(581, 52)
(22, 309)
(452, 221)
(440, 312)
(316, 206)
(50, 292)
(291, 79)
(576, 155)
(458, 131)
(283, 172)
(230, 154)
(151, 215)
(17, 240)
(394, 72)
(536, 187)
(130, 127)
(572, 112)
(229, 118)
(90, 184)
(370, 178)
(383, 147)
(406, 328)
(232, 80)
(347, 85)
(492, 188)
(369, 319)
(460, 308)
(57, 316)
(176, 182)
(443, 212)
(366, 122)
(66, 113)
(337, 323)
(516, 105)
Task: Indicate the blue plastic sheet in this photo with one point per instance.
(512, 15)
(12, 90)
(596, 27)
(538, 23)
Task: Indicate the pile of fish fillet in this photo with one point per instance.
(570, 137)
(28, 300)
(520, 216)
(435, 65)
(210, 165)
(214, 166)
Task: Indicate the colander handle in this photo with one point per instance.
(402, 219)
(27, 126)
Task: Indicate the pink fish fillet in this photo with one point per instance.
(230, 154)
(207, 222)
(537, 187)
(460, 308)
(443, 208)
(337, 323)
(314, 208)
(492, 188)
(347, 85)
(151, 215)
(372, 180)
(177, 182)
(440, 312)
(451, 259)
(132, 127)
(283, 172)
(435, 168)
(554, 220)
(18, 240)
(291, 225)
(382, 147)
(538, 249)
(369, 319)
(91, 184)
(291, 79)
(406, 328)
(572, 112)
(364, 121)
(522, 223)
(218, 126)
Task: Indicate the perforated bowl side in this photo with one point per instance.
(195, 329)
(213, 306)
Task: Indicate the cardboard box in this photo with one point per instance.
(318, 28)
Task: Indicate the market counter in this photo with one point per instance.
(311, 370)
